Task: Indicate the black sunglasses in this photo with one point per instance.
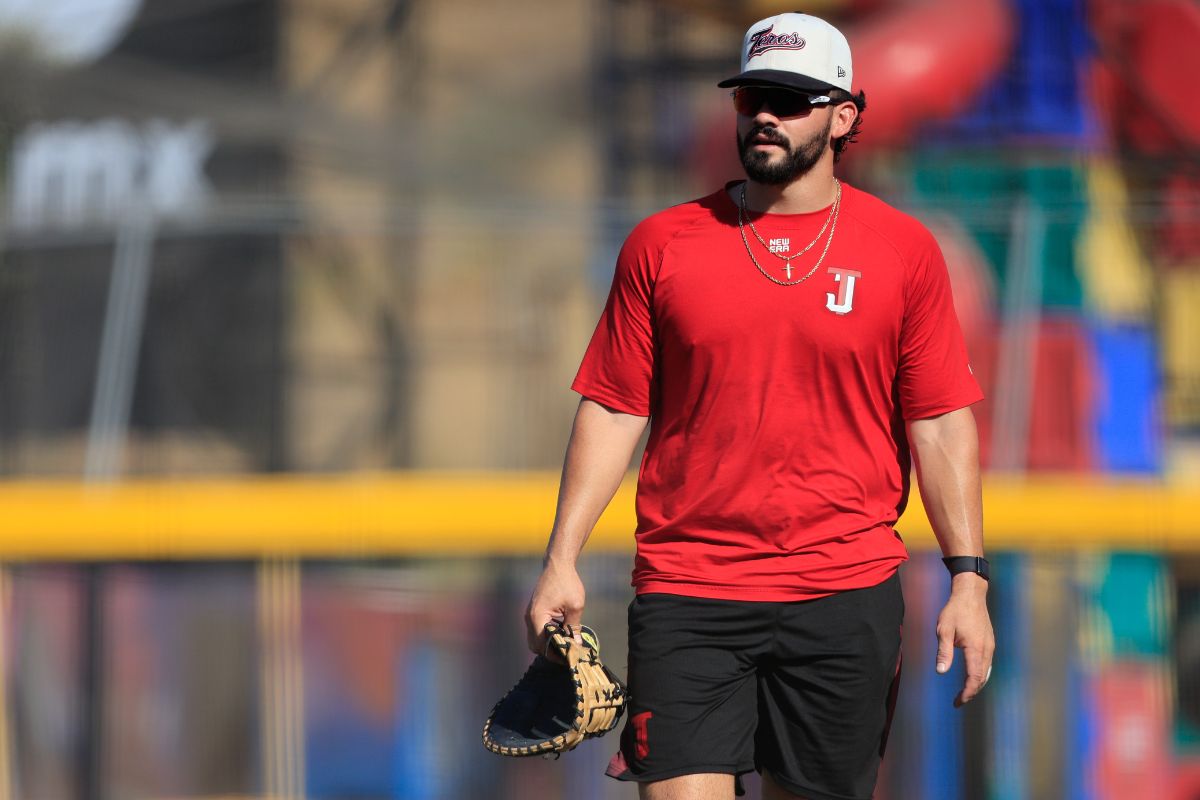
(747, 100)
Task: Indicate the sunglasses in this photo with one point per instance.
(748, 100)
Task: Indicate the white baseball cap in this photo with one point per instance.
(798, 51)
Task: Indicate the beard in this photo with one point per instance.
(796, 161)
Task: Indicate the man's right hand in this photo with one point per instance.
(602, 442)
(558, 595)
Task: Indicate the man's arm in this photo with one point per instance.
(598, 453)
(946, 452)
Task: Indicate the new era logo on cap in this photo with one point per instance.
(795, 50)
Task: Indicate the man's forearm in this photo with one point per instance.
(946, 452)
(598, 454)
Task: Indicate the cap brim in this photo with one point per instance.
(776, 77)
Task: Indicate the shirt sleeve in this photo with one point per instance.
(618, 366)
(934, 374)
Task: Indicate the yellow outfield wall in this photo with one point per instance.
(399, 514)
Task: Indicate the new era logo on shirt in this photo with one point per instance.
(779, 245)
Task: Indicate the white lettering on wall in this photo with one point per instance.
(75, 174)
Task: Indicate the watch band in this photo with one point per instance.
(976, 564)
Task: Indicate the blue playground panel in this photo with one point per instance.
(1128, 417)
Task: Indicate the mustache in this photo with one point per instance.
(768, 132)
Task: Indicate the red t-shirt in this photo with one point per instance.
(777, 461)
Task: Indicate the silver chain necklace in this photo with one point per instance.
(830, 222)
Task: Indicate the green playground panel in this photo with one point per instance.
(982, 191)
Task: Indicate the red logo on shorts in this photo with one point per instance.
(641, 738)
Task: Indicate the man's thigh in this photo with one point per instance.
(698, 786)
(773, 791)
(826, 697)
(693, 706)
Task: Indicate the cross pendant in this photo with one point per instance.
(787, 265)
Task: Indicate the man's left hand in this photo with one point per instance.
(964, 623)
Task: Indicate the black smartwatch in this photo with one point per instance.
(976, 564)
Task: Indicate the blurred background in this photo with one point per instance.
(292, 293)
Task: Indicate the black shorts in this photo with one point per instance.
(803, 690)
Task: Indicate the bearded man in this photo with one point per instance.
(792, 344)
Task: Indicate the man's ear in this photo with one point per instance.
(843, 118)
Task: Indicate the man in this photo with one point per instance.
(793, 341)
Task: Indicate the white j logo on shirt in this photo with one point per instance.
(845, 296)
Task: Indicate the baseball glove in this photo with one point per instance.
(555, 706)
